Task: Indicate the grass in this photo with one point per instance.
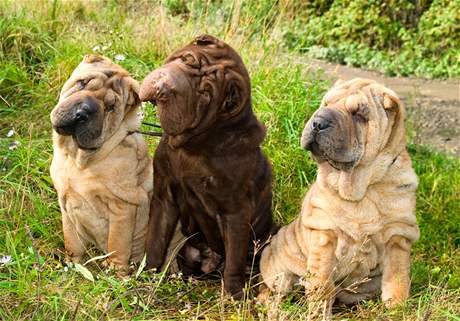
(42, 43)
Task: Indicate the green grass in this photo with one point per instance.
(38, 52)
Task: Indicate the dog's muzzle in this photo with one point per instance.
(319, 124)
(68, 117)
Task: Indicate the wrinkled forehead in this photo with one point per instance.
(209, 56)
(102, 70)
(352, 94)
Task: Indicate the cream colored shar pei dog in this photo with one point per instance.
(101, 169)
(354, 234)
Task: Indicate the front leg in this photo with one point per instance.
(319, 285)
(320, 264)
(162, 224)
(236, 240)
(164, 212)
(396, 266)
(121, 230)
(73, 243)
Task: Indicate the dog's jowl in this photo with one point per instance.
(100, 168)
(210, 173)
(357, 224)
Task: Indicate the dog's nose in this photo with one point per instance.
(81, 115)
(320, 123)
(67, 119)
(156, 86)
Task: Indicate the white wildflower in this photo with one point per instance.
(120, 57)
(5, 259)
(14, 145)
(10, 133)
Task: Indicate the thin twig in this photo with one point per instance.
(151, 124)
(75, 311)
(37, 258)
(155, 134)
(6, 102)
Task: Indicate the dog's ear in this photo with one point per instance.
(92, 58)
(395, 110)
(235, 99)
(390, 100)
(232, 98)
(206, 40)
(133, 92)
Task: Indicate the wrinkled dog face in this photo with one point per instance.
(199, 84)
(94, 101)
(353, 123)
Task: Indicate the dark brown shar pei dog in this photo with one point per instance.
(101, 169)
(354, 234)
(210, 173)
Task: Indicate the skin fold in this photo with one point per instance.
(353, 236)
(210, 173)
(101, 169)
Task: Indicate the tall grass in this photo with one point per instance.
(41, 43)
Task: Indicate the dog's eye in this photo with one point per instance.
(81, 84)
(110, 107)
(361, 113)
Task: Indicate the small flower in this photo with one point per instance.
(10, 133)
(5, 259)
(120, 57)
(14, 145)
(141, 112)
(97, 48)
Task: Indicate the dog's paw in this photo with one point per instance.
(121, 271)
(73, 259)
(317, 289)
(264, 295)
(394, 301)
(395, 296)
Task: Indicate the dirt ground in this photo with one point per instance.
(433, 106)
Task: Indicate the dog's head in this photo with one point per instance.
(94, 101)
(199, 85)
(356, 121)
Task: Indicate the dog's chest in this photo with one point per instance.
(356, 258)
(198, 174)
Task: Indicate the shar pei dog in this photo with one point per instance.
(101, 169)
(209, 171)
(354, 234)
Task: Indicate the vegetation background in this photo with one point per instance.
(41, 42)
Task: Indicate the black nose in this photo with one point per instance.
(81, 115)
(320, 124)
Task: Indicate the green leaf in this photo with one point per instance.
(100, 257)
(84, 271)
(141, 266)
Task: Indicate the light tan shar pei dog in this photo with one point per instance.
(101, 169)
(354, 234)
